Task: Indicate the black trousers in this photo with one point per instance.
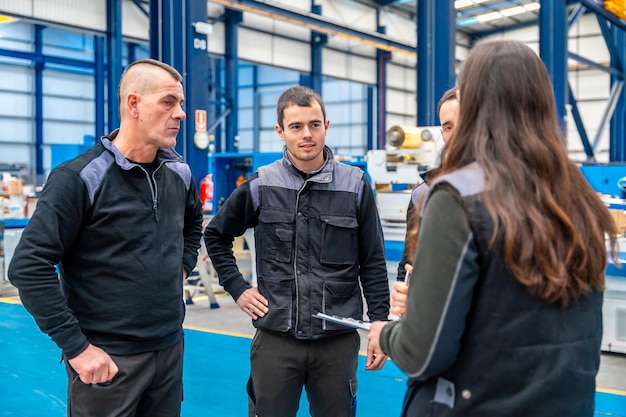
(147, 385)
(282, 365)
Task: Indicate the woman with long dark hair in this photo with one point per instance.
(504, 311)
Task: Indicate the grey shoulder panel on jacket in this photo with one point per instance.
(94, 171)
(183, 170)
(418, 192)
(276, 175)
(336, 175)
(347, 178)
(469, 180)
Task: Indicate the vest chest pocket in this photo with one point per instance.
(276, 230)
(339, 240)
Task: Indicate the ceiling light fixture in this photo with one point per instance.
(531, 7)
(487, 17)
(512, 11)
(459, 4)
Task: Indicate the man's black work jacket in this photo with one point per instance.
(317, 236)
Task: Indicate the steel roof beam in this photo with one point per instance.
(319, 24)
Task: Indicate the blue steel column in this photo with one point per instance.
(436, 42)
(99, 80)
(553, 50)
(216, 102)
(174, 41)
(132, 51)
(39, 67)
(197, 80)
(256, 110)
(167, 32)
(114, 59)
(167, 39)
(617, 149)
(370, 124)
(231, 23)
(382, 57)
(157, 29)
(318, 40)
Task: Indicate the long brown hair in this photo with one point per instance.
(551, 221)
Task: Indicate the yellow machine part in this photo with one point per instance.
(405, 137)
(408, 137)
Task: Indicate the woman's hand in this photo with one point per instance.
(398, 298)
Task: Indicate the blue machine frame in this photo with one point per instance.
(604, 178)
(227, 167)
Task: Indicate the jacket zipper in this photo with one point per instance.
(154, 192)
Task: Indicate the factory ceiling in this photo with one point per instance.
(480, 17)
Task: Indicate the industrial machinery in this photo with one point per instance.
(609, 181)
(395, 171)
(614, 306)
(409, 151)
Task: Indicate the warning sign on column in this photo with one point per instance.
(200, 120)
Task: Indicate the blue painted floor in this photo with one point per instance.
(32, 380)
(215, 374)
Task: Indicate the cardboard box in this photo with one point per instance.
(14, 186)
(619, 216)
(16, 207)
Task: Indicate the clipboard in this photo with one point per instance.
(346, 321)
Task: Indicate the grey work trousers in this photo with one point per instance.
(282, 365)
(147, 385)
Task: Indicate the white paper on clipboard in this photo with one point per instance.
(346, 321)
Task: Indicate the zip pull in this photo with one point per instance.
(155, 209)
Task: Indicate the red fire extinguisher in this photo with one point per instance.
(206, 193)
